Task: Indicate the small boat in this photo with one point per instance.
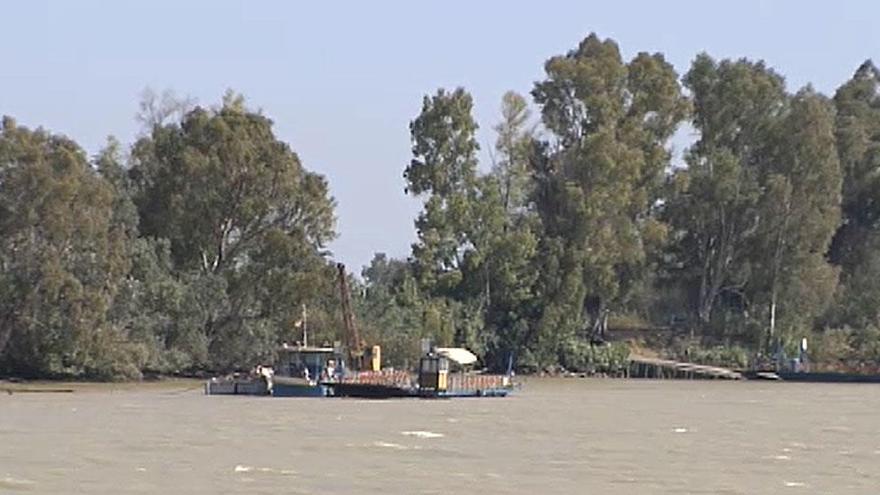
(826, 377)
(257, 382)
(301, 369)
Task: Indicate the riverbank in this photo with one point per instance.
(680, 355)
(16, 386)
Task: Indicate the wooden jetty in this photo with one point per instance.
(645, 367)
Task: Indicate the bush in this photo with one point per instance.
(109, 357)
(730, 356)
(580, 356)
(847, 349)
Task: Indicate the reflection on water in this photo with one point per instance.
(577, 436)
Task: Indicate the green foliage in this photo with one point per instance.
(714, 202)
(857, 132)
(61, 256)
(246, 225)
(754, 212)
(595, 219)
(597, 184)
(444, 171)
(580, 356)
(199, 255)
(802, 208)
(513, 147)
(855, 246)
(727, 356)
(847, 349)
(217, 183)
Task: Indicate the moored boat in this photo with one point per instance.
(257, 382)
(301, 369)
(443, 373)
(298, 372)
(826, 377)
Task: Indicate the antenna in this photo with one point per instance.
(305, 316)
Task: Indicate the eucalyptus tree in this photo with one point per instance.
(754, 211)
(513, 145)
(857, 243)
(452, 226)
(858, 142)
(242, 216)
(800, 212)
(62, 259)
(597, 184)
(443, 171)
(714, 205)
(475, 245)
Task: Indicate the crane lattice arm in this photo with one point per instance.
(352, 336)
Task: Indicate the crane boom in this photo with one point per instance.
(352, 336)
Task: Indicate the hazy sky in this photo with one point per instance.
(343, 80)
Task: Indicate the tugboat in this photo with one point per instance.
(301, 369)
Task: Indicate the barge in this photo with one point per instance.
(798, 370)
(443, 373)
(813, 377)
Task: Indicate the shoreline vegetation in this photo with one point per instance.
(202, 246)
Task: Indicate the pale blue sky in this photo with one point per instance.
(342, 80)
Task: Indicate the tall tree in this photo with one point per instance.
(443, 171)
(595, 191)
(714, 206)
(219, 181)
(857, 243)
(242, 216)
(62, 257)
(459, 228)
(800, 211)
(754, 212)
(513, 146)
(858, 141)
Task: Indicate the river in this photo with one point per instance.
(565, 436)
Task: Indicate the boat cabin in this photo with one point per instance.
(435, 366)
(312, 363)
(433, 374)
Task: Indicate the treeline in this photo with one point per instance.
(765, 234)
(193, 250)
(199, 246)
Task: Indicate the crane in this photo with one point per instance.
(357, 354)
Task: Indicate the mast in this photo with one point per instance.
(305, 316)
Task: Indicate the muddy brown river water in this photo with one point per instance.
(567, 436)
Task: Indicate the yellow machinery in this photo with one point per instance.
(433, 374)
(376, 358)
